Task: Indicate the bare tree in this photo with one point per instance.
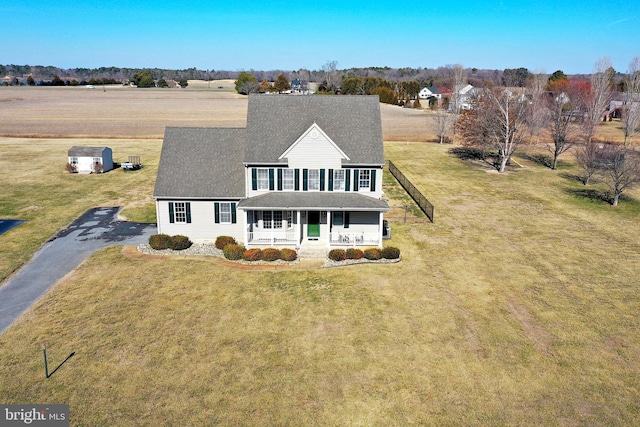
(537, 111)
(459, 80)
(330, 74)
(507, 129)
(563, 106)
(631, 108)
(443, 121)
(588, 158)
(599, 97)
(620, 169)
(497, 119)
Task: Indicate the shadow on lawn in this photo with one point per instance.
(476, 155)
(592, 194)
(542, 159)
(576, 178)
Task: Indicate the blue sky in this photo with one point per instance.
(542, 36)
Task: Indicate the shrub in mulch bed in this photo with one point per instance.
(233, 252)
(179, 243)
(337, 254)
(354, 253)
(288, 254)
(254, 254)
(222, 241)
(270, 254)
(389, 252)
(372, 254)
(352, 256)
(159, 241)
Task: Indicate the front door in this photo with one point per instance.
(313, 225)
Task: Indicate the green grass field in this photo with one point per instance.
(518, 306)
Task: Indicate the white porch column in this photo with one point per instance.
(380, 230)
(299, 227)
(246, 227)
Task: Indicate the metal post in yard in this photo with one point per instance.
(46, 365)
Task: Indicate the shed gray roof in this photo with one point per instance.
(314, 200)
(274, 122)
(201, 163)
(78, 151)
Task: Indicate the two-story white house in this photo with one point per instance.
(307, 170)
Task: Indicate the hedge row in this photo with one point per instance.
(164, 241)
(233, 251)
(373, 254)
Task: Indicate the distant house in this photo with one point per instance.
(464, 94)
(429, 92)
(91, 159)
(305, 172)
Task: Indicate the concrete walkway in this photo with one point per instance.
(96, 229)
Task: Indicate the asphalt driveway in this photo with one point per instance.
(95, 229)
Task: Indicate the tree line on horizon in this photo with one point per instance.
(425, 77)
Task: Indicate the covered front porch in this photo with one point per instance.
(313, 219)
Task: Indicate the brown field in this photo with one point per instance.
(123, 112)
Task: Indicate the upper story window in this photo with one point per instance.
(364, 180)
(263, 179)
(338, 179)
(288, 179)
(314, 180)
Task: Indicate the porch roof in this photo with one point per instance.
(314, 201)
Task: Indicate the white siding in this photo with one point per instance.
(314, 153)
(202, 227)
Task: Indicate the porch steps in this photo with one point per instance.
(312, 252)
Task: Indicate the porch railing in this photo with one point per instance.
(271, 237)
(354, 239)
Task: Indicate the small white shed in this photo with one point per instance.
(91, 159)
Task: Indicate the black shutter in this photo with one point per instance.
(271, 179)
(254, 179)
(233, 213)
(171, 216)
(347, 179)
(356, 184)
(188, 209)
(321, 179)
(279, 179)
(346, 220)
(373, 180)
(296, 175)
(330, 180)
(305, 179)
(216, 215)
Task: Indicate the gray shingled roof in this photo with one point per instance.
(201, 163)
(77, 151)
(314, 200)
(274, 122)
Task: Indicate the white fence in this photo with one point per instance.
(271, 237)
